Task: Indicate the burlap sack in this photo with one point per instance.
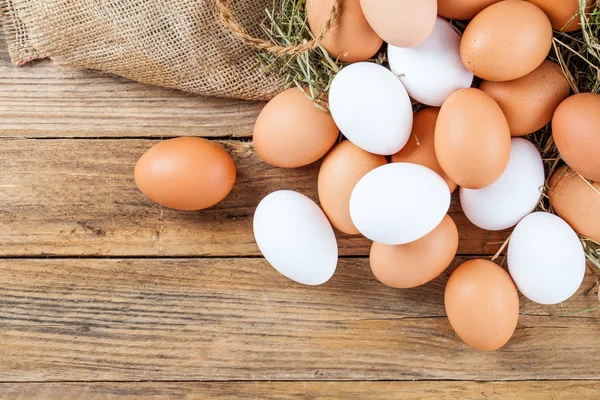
(178, 44)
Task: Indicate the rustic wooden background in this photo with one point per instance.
(105, 294)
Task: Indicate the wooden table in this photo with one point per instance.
(103, 293)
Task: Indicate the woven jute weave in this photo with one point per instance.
(179, 44)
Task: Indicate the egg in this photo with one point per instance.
(420, 148)
(401, 23)
(292, 132)
(462, 9)
(371, 108)
(514, 195)
(563, 14)
(576, 201)
(185, 173)
(493, 45)
(472, 139)
(545, 258)
(529, 102)
(341, 170)
(399, 203)
(575, 126)
(351, 39)
(432, 70)
(295, 237)
(416, 263)
(482, 304)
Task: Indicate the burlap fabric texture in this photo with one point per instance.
(179, 44)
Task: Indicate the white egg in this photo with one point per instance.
(295, 237)
(371, 107)
(546, 258)
(399, 203)
(514, 195)
(433, 70)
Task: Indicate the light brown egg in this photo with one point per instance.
(185, 173)
(416, 263)
(472, 139)
(482, 304)
(351, 39)
(562, 13)
(420, 148)
(291, 132)
(341, 170)
(576, 201)
(462, 9)
(401, 23)
(576, 131)
(494, 47)
(529, 102)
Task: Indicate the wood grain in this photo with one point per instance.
(557, 390)
(237, 319)
(78, 197)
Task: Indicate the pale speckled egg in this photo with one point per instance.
(185, 173)
(529, 102)
(341, 170)
(416, 263)
(420, 148)
(291, 132)
(562, 13)
(576, 127)
(462, 9)
(351, 39)
(576, 201)
(494, 47)
(472, 139)
(401, 23)
(482, 304)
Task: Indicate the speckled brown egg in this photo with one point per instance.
(292, 132)
(506, 41)
(562, 13)
(577, 201)
(401, 23)
(341, 170)
(472, 139)
(529, 102)
(462, 9)
(351, 39)
(576, 131)
(185, 173)
(482, 304)
(416, 263)
(420, 148)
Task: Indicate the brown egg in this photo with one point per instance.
(416, 263)
(576, 201)
(576, 131)
(494, 47)
(185, 173)
(351, 39)
(529, 102)
(291, 132)
(420, 148)
(462, 9)
(341, 170)
(401, 23)
(482, 304)
(562, 13)
(472, 139)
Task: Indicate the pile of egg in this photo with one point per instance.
(392, 177)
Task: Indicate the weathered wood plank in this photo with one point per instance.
(237, 319)
(78, 197)
(42, 99)
(532, 390)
